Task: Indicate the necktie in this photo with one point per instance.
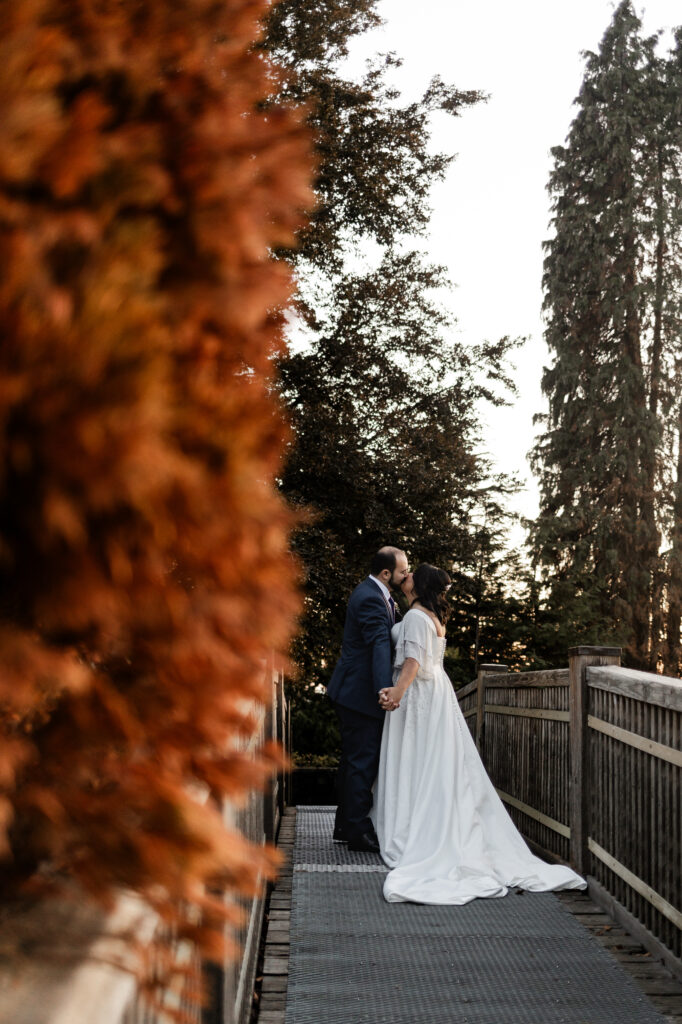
(391, 603)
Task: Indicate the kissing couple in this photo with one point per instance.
(411, 785)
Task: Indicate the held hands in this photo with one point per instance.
(389, 698)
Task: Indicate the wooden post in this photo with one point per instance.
(483, 671)
(579, 659)
(283, 740)
(270, 796)
(289, 750)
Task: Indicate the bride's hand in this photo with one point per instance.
(389, 698)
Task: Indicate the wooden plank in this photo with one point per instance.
(273, 1001)
(643, 686)
(671, 1006)
(672, 812)
(649, 894)
(545, 678)
(628, 921)
(588, 909)
(274, 983)
(592, 920)
(659, 986)
(484, 672)
(546, 713)
(626, 956)
(579, 762)
(544, 819)
(616, 938)
(468, 714)
(612, 653)
(466, 690)
(653, 970)
(276, 965)
(659, 750)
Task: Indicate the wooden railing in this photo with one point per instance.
(258, 820)
(588, 761)
(67, 976)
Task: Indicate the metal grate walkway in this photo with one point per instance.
(355, 959)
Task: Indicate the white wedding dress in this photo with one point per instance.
(442, 828)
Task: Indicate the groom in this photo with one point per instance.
(363, 669)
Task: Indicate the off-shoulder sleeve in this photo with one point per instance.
(416, 640)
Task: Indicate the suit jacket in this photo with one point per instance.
(364, 667)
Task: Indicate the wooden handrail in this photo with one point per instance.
(604, 793)
(663, 691)
(76, 962)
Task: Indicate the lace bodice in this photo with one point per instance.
(416, 637)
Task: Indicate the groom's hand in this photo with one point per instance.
(386, 702)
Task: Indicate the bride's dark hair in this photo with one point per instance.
(430, 585)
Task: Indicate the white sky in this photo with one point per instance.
(491, 214)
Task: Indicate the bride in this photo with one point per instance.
(441, 826)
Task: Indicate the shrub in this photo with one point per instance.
(144, 566)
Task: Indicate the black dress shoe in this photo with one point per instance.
(340, 836)
(365, 844)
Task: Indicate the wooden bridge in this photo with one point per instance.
(587, 760)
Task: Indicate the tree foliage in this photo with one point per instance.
(384, 397)
(384, 410)
(375, 167)
(612, 295)
(141, 540)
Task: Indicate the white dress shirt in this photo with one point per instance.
(382, 587)
(390, 603)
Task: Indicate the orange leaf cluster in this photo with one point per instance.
(144, 566)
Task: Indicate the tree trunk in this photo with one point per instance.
(637, 508)
(673, 648)
(648, 510)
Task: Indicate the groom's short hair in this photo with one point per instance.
(384, 559)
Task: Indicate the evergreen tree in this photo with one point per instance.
(375, 170)
(383, 398)
(384, 413)
(611, 330)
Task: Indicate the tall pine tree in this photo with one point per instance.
(613, 330)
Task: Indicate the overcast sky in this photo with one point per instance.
(491, 214)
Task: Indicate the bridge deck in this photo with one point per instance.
(354, 959)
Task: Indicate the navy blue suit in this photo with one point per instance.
(363, 669)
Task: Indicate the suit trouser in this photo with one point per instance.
(360, 748)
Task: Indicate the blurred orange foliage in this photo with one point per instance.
(144, 565)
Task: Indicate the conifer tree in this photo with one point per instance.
(611, 330)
